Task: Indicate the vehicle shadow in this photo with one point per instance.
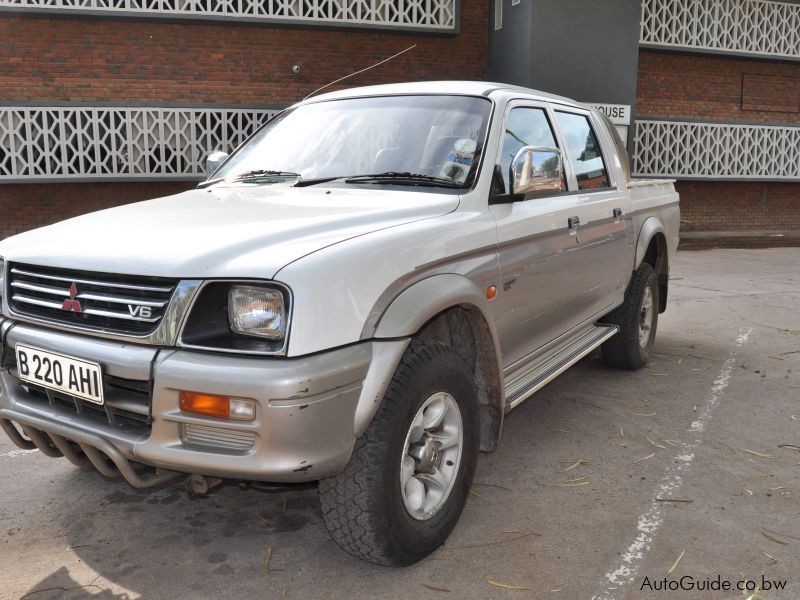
(60, 585)
(163, 540)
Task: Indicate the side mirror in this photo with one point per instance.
(214, 160)
(537, 171)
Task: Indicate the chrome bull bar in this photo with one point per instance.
(79, 447)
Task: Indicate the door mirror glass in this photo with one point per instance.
(214, 160)
(537, 171)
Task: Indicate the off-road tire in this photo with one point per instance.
(624, 349)
(363, 506)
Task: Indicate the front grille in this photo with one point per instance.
(115, 412)
(124, 304)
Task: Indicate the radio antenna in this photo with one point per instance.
(377, 64)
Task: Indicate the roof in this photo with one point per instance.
(465, 88)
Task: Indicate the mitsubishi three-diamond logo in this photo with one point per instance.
(71, 304)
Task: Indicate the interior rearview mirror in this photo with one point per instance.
(214, 160)
(537, 171)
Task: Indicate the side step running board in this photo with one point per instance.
(550, 365)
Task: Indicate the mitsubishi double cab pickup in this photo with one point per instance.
(357, 296)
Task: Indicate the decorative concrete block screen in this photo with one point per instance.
(69, 143)
(384, 14)
(714, 151)
(742, 26)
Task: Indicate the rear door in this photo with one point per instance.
(602, 210)
(541, 265)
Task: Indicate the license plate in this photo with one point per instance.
(61, 373)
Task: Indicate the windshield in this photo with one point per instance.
(436, 136)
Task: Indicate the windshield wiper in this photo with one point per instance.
(404, 178)
(316, 180)
(210, 182)
(263, 173)
(249, 175)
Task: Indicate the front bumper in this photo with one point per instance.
(305, 408)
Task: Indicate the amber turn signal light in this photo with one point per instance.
(217, 406)
(491, 291)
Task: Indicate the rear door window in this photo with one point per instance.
(584, 150)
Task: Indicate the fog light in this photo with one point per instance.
(218, 406)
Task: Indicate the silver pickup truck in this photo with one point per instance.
(358, 296)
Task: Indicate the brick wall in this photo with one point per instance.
(95, 60)
(29, 205)
(739, 206)
(52, 60)
(731, 90)
(717, 88)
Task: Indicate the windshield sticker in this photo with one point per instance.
(459, 159)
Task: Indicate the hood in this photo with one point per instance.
(236, 231)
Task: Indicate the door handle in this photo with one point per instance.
(617, 212)
(573, 222)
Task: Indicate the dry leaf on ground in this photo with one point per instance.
(506, 586)
(753, 452)
(675, 564)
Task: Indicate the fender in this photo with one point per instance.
(419, 303)
(386, 355)
(650, 227)
(405, 315)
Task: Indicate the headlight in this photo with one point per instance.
(257, 311)
(248, 317)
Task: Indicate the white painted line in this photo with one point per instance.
(15, 453)
(651, 520)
